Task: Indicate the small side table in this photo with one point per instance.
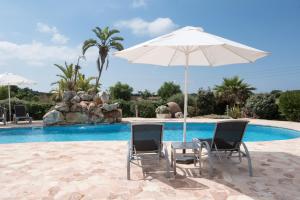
(184, 146)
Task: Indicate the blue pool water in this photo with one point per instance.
(172, 132)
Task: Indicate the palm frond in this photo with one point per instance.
(87, 44)
(113, 31)
(116, 45)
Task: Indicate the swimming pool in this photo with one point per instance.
(110, 132)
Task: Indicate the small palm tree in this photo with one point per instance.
(67, 76)
(84, 84)
(58, 92)
(233, 91)
(105, 42)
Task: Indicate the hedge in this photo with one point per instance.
(35, 109)
(146, 108)
(289, 105)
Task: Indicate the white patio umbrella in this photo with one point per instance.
(8, 79)
(190, 46)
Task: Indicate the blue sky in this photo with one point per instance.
(36, 34)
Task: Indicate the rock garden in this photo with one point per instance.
(81, 108)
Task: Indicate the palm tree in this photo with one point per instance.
(58, 92)
(233, 91)
(84, 84)
(105, 42)
(67, 76)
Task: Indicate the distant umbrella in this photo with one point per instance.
(190, 46)
(8, 79)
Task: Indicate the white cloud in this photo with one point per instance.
(39, 54)
(156, 27)
(56, 37)
(139, 3)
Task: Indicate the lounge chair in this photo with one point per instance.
(3, 115)
(227, 139)
(146, 141)
(21, 114)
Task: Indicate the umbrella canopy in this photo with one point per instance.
(8, 79)
(190, 46)
(13, 79)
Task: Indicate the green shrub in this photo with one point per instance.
(179, 99)
(120, 91)
(35, 109)
(289, 105)
(126, 107)
(235, 112)
(206, 102)
(168, 89)
(262, 106)
(38, 110)
(146, 108)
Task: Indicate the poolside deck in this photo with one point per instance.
(97, 170)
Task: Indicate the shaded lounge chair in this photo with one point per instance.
(227, 139)
(21, 114)
(3, 115)
(146, 140)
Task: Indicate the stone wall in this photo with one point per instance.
(81, 108)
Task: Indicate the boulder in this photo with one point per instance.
(96, 119)
(113, 116)
(110, 107)
(68, 95)
(97, 100)
(91, 106)
(62, 107)
(98, 112)
(76, 108)
(53, 117)
(178, 115)
(75, 99)
(103, 96)
(77, 118)
(84, 106)
(174, 108)
(84, 96)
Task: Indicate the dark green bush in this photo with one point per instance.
(168, 89)
(146, 108)
(126, 107)
(120, 91)
(289, 105)
(179, 99)
(35, 109)
(262, 106)
(206, 102)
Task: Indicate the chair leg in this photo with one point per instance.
(206, 145)
(128, 161)
(249, 159)
(167, 161)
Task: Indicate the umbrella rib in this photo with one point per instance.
(232, 51)
(203, 52)
(173, 56)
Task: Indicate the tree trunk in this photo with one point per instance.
(100, 66)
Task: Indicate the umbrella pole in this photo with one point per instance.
(185, 96)
(9, 106)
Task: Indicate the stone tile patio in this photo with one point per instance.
(97, 170)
